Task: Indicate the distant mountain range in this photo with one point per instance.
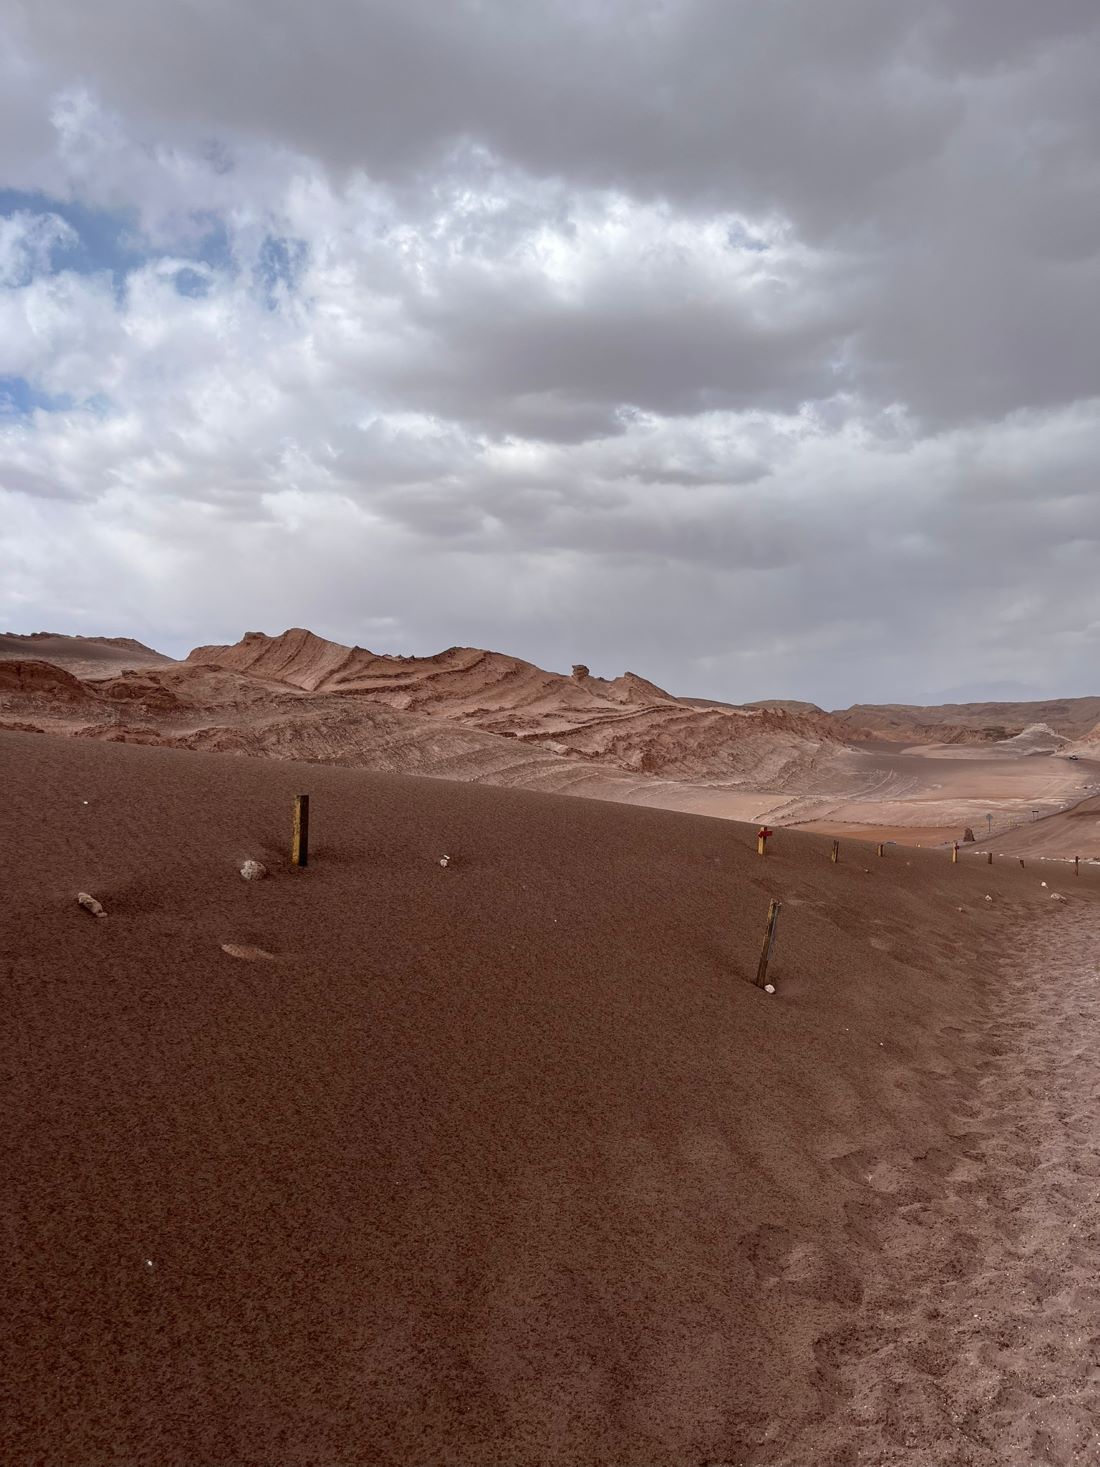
(466, 713)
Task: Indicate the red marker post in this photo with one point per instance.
(762, 839)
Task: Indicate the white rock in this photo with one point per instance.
(989, 898)
(253, 871)
(1056, 896)
(1042, 883)
(769, 987)
(444, 860)
(90, 904)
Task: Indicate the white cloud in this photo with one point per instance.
(611, 360)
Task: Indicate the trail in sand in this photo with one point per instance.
(977, 1343)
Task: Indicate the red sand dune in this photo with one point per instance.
(504, 1162)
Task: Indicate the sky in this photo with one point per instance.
(751, 347)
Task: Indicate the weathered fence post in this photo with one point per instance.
(1077, 865)
(769, 938)
(835, 857)
(299, 842)
(955, 854)
(989, 858)
(881, 848)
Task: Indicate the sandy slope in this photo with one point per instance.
(504, 1162)
(976, 1340)
(1070, 833)
(930, 793)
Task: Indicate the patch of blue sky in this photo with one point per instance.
(210, 245)
(193, 283)
(111, 239)
(279, 266)
(20, 398)
(105, 239)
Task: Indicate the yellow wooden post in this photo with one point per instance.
(299, 843)
(769, 938)
(955, 854)
(881, 848)
(835, 857)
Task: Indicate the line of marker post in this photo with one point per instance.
(299, 856)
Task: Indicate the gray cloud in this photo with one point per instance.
(749, 345)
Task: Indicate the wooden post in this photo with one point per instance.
(882, 848)
(769, 938)
(759, 845)
(1021, 863)
(299, 844)
(955, 854)
(989, 858)
(836, 852)
(1077, 865)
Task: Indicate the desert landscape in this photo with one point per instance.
(918, 776)
(549, 734)
(476, 1139)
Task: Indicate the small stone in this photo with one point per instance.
(769, 987)
(1042, 883)
(90, 904)
(989, 898)
(249, 954)
(444, 860)
(1056, 896)
(253, 871)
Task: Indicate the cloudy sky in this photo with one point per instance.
(753, 347)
